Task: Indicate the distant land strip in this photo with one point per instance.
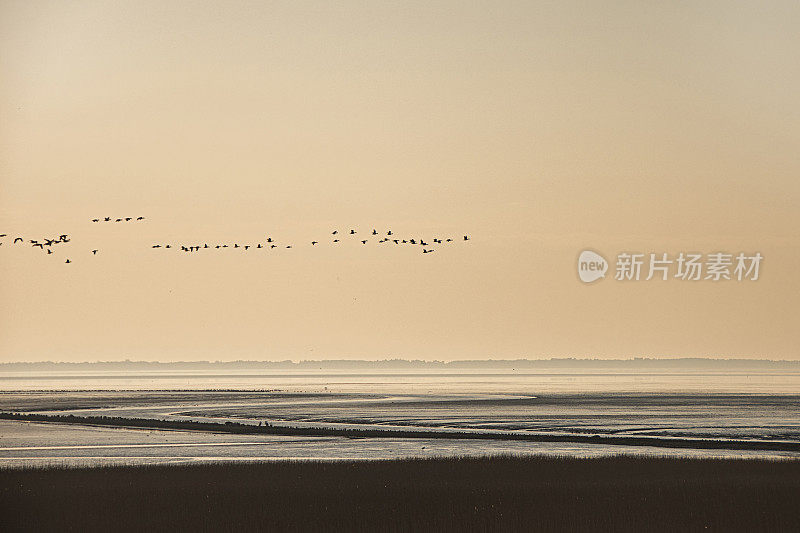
(634, 364)
(249, 429)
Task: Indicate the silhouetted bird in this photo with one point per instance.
(449, 240)
(168, 246)
(424, 251)
(269, 239)
(466, 238)
(128, 219)
(374, 232)
(205, 245)
(335, 240)
(235, 245)
(68, 261)
(423, 243)
(352, 232)
(334, 232)
(389, 232)
(289, 246)
(95, 220)
(107, 219)
(94, 252)
(118, 220)
(156, 246)
(246, 246)
(139, 218)
(3, 235)
(259, 245)
(40, 245)
(364, 242)
(63, 237)
(313, 243)
(395, 241)
(49, 251)
(412, 241)
(273, 246)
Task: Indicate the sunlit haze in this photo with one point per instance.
(537, 129)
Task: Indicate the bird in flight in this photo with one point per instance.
(94, 252)
(95, 220)
(17, 239)
(313, 243)
(466, 238)
(374, 232)
(68, 261)
(139, 218)
(352, 232)
(334, 232)
(364, 242)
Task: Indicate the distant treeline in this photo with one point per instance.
(635, 364)
(267, 429)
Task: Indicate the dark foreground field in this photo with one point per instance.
(491, 494)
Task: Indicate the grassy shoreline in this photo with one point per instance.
(621, 493)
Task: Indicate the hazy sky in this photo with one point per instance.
(538, 128)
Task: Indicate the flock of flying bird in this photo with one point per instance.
(48, 244)
(270, 243)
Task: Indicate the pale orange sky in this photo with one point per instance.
(540, 129)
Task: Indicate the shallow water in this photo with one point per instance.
(697, 405)
(556, 380)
